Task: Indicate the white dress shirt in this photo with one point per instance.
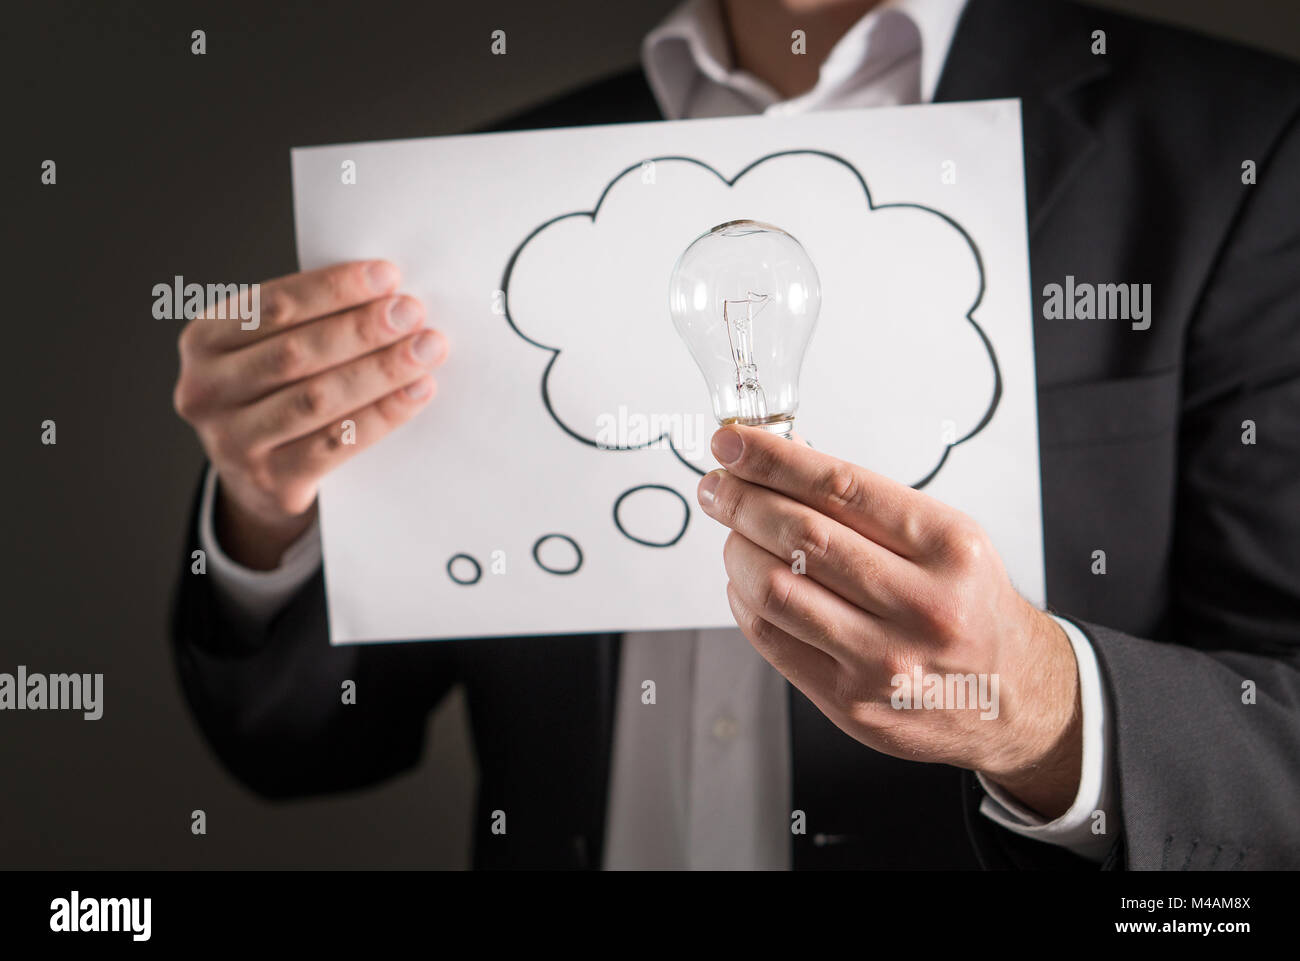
(701, 777)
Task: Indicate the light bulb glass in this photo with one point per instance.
(744, 297)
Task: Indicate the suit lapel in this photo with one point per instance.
(1040, 52)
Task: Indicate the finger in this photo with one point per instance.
(798, 604)
(288, 301)
(894, 515)
(315, 455)
(241, 376)
(807, 668)
(857, 569)
(301, 408)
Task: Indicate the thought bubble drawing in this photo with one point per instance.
(560, 561)
(641, 515)
(464, 578)
(899, 372)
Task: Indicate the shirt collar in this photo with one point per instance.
(692, 43)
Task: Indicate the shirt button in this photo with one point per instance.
(725, 728)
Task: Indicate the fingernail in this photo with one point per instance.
(727, 446)
(428, 347)
(708, 486)
(419, 390)
(382, 276)
(403, 313)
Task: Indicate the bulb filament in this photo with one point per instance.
(740, 334)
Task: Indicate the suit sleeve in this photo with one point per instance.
(1208, 726)
(1206, 720)
(270, 702)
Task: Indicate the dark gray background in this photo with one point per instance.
(170, 164)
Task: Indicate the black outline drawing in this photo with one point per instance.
(686, 522)
(478, 570)
(550, 570)
(591, 215)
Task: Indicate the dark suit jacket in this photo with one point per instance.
(1134, 163)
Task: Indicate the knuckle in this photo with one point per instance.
(774, 588)
(349, 375)
(728, 498)
(368, 325)
(275, 305)
(287, 355)
(964, 543)
(761, 631)
(912, 529)
(391, 367)
(842, 487)
(332, 440)
(338, 281)
(812, 535)
(946, 618)
(392, 412)
(310, 399)
(896, 663)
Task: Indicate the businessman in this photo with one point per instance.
(1150, 720)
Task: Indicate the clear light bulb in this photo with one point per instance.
(744, 297)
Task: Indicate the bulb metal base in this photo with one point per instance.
(779, 426)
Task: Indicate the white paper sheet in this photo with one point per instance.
(545, 256)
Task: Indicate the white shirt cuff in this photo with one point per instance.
(1078, 829)
(252, 598)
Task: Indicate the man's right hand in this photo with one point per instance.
(268, 404)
